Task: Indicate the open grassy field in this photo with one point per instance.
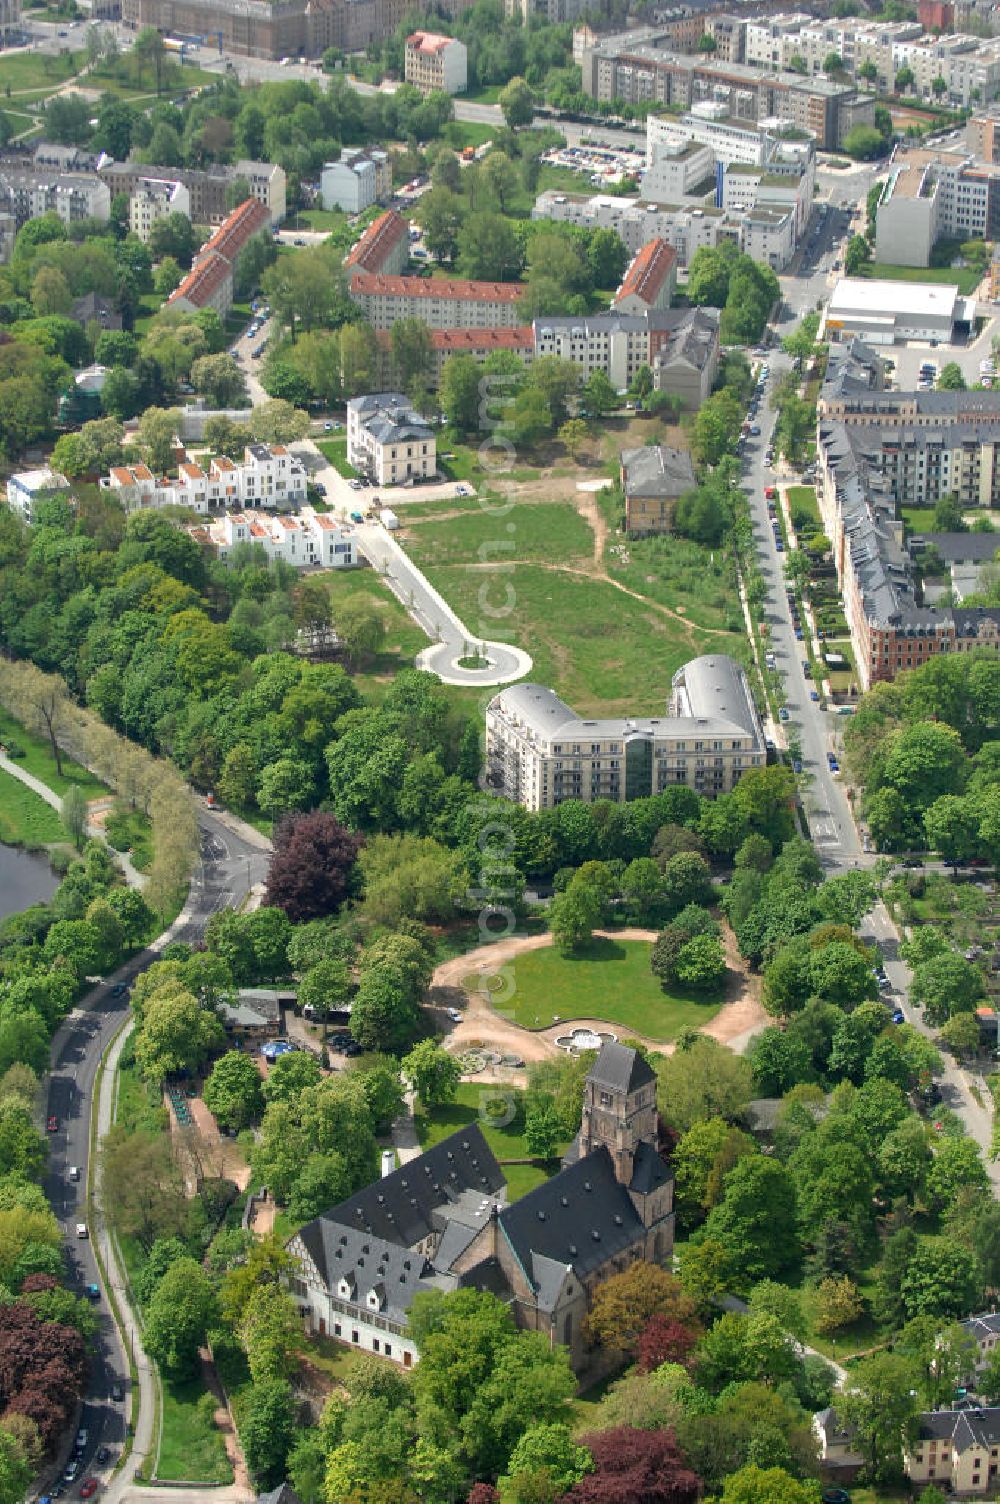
(600, 650)
(680, 574)
(918, 519)
(25, 819)
(38, 70)
(38, 760)
(472, 1105)
(608, 979)
(543, 532)
(191, 1446)
(964, 278)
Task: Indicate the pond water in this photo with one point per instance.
(25, 878)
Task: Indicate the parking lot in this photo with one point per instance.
(604, 164)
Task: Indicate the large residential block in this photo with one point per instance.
(209, 188)
(442, 303)
(389, 441)
(209, 283)
(269, 476)
(878, 451)
(28, 192)
(431, 62)
(479, 344)
(640, 68)
(680, 346)
(277, 28)
(539, 753)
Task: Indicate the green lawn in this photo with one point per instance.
(678, 573)
(601, 651)
(38, 70)
(964, 278)
(38, 759)
(554, 532)
(403, 638)
(137, 1105)
(475, 1104)
(918, 519)
(191, 1446)
(802, 504)
(25, 818)
(335, 452)
(462, 133)
(609, 979)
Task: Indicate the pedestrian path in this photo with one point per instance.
(132, 876)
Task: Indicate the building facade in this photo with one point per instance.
(209, 189)
(153, 200)
(277, 28)
(382, 248)
(884, 313)
(653, 479)
(269, 476)
(649, 281)
(388, 440)
(442, 1221)
(28, 487)
(209, 283)
(431, 62)
(305, 540)
(441, 303)
(932, 195)
(680, 346)
(538, 753)
(29, 192)
(358, 180)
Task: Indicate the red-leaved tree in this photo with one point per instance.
(43, 1366)
(635, 1467)
(310, 870)
(664, 1341)
(483, 1493)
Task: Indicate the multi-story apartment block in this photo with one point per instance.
(306, 540)
(358, 180)
(636, 223)
(637, 69)
(153, 200)
(649, 281)
(431, 62)
(538, 753)
(930, 195)
(552, 11)
(209, 189)
(982, 138)
(279, 28)
(441, 303)
(958, 1450)
(729, 33)
(209, 283)
(479, 344)
(389, 441)
(28, 487)
(878, 451)
(677, 169)
(29, 192)
(679, 345)
(269, 476)
(765, 38)
(384, 246)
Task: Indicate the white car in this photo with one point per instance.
(454, 1015)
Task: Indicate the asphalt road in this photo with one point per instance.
(229, 867)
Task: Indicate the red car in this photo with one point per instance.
(88, 1489)
(53, 1125)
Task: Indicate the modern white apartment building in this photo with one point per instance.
(153, 200)
(306, 540)
(388, 440)
(269, 476)
(710, 126)
(676, 169)
(431, 62)
(539, 753)
(28, 487)
(358, 180)
(766, 37)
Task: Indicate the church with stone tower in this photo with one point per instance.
(442, 1221)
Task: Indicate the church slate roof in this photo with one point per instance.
(620, 1069)
(580, 1218)
(648, 1170)
(368, 1263)
(400, 1208)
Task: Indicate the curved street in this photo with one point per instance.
(231, 863)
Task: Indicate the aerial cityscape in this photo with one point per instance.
(499, 751)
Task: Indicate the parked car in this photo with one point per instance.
(782, 714)
(454, 1015)
(357, 517)
(119, 989)
(92, 1292)
(103, 1454)
(814, 696)
(71, 1471)
(118, 1391)
(52, 1126)
(73, 1173)
(81, 1439)
(796, 765)
(88, 1489)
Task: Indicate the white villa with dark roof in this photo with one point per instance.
(388, 440)
(442, 1222)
